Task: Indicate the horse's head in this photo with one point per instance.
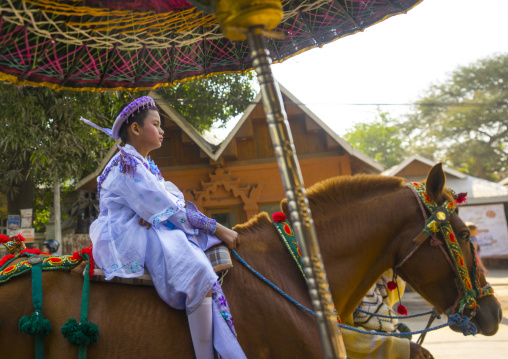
(447, 274)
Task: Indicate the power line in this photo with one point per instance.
(424, 104)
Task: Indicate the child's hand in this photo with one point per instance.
(144, 223)
(227, 235)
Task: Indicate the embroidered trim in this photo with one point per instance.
(199, 220)
(168, 212)
(137, 104)
(134, 267)
(127, 166)
(220, 300)
(48, 263)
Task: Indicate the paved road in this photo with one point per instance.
(447, 344)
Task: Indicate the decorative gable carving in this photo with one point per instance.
(220, 180)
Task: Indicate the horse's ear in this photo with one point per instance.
(435, 182)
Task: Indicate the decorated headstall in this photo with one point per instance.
(439, 221)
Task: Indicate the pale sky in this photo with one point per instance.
(394, 61)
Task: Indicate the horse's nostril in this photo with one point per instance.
(500, 317)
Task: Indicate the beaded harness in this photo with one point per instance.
(438, 221)
(470, 288)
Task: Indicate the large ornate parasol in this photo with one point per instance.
(104, 45)
(144, 44)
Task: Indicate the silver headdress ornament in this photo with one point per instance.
(136, 105)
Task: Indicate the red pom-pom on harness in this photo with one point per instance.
(391, 285)
(279, 217)
(402, 310)
(4, 238)
(78, 255)
(461, 197)
(32, 251)
(18, 238)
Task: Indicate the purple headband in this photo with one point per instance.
(138, 104)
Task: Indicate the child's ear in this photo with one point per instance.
(134, 128)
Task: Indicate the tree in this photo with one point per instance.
(211, 100)
(381, 139)
(464, 119)
(44, 144)
(43, 138)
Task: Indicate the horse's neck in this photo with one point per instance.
(360, 243)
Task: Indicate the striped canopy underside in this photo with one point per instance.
(115, 44)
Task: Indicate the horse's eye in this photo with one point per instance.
(464, 235)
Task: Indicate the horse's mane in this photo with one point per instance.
(257, 223)
(343, 189)
(334, 191)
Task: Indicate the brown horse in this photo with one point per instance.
(365, 224)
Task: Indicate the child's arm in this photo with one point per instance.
(147, 196)
(228, 236)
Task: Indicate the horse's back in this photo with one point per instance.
(133, 321)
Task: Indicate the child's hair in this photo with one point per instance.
(471, 225)
(138, 117)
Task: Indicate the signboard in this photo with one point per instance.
(21, 225)
(26, 218)
(492, 228)
(13, 225)
(27, 233)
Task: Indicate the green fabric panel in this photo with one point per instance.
(37, 285)
(85, 296)
(288, 237)
(37, 301)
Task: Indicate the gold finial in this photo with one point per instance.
(237, 16)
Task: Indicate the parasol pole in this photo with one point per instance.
(248, 19)
(300, 214)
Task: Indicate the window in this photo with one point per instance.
(228, 217)
(270, 208)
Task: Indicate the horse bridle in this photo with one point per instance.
(439, 221)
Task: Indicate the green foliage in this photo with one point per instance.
(381, 139)
(464, 119)
(42, 128)
(462, 122)
(211, 100)
(43, 204)
(43, 139)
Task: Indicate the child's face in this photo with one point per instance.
(473, 232)
(150, 136)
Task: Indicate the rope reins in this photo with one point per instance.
(463, 322)
(437, 222)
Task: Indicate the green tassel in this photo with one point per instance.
(34, 324)
(84, 333)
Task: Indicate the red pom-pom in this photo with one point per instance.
(32, 251)
(402, 310)
(461, 197)
(4, 238)
(18, 238)
(5, 259)
(78, 255)
(279, 217)
(391, 285)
